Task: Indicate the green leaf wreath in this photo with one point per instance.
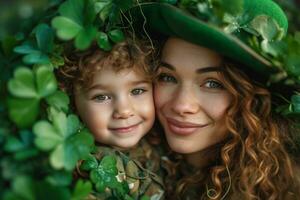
(41, 141)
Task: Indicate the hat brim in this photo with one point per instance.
(171, 21)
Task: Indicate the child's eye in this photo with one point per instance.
(163, 77)
(101, 98)
(213, 84)
(138, 91)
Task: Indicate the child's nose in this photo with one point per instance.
(123, 109)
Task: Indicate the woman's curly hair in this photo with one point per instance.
(80, 67)
(252, 160)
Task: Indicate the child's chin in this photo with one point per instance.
(125, 146)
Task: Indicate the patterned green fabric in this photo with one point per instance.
(130, 174)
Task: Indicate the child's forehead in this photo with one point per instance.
(124, 73)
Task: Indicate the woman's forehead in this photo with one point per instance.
(180, 53)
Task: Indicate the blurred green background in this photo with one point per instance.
(16, 15)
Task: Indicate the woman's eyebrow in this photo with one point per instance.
(167, 65)
(210, 69)
(198, 71)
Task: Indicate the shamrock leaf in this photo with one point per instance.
(105, 173)
(59, 100)
(85, 37)
(21, 146)
(23, 187)
(116, 35)
(66, 28)
(76, 22)
(63, 138)
(36, 51)
(82, 190)
(23, 83)
(44, 38)
(89, 164)
(27, 89)
(267, 27)
(103, 41)
(60, 178)
(23, 112)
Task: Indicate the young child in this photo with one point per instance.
(112, 94)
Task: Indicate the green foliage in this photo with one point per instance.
(63, 137)
(27, 88)
(82, 190)
(80, 20)
(36, 50)
(103, 174)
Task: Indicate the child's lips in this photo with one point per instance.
(125, 129)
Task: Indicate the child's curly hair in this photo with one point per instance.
(80, 67)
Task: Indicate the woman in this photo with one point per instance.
(214, 104)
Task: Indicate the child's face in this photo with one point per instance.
(118, 108)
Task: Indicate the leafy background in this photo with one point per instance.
(40, 139)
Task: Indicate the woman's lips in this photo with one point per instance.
(183, 128)
(126, 129)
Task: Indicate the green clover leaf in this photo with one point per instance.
(105, 173)
(23, 186)
(66, 28)
(44, 38)
(85, 37)
(22, 146)
(62, 136)
(27, 88)
(76, 22)
(23, 112)
(267, 27)
(82, 190)
(89, 164)
(36, 51)
(60, 178)
(116, 35)
(23, 83)
(59, 100)
(103, 41)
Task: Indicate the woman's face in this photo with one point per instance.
(190, 99)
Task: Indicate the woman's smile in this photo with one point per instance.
(184, 128)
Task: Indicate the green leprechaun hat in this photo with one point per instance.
(251, 32)
(197, 25)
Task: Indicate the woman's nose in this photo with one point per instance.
(185, 101)
(123, 109)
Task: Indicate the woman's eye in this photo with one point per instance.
(101, 98)
(213, 84)
(166, 78)
(138, 91)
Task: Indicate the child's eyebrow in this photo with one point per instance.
(96, 86)
(106, 86)
(140, 82)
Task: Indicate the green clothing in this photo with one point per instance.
(138, 170)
